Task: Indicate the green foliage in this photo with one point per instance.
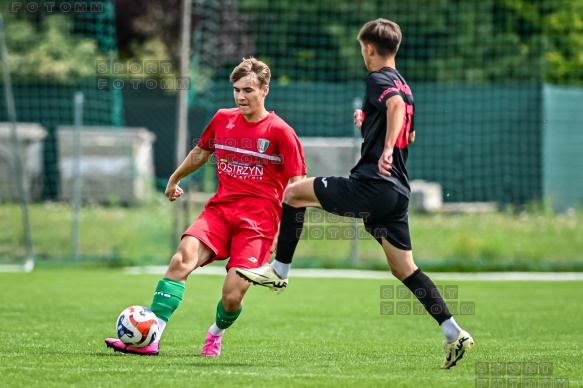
(444, 41)
(50, 51)
(564, 30)
(309, 40)
(474, 41)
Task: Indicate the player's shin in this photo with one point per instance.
(167, 298)
(225, 319)
(290, 231)
(427, 293)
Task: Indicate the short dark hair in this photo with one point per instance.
(384, 34)
(252, 66)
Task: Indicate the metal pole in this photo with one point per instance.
(22, 189)
(356, 104)
(77, 179)
(182, 112)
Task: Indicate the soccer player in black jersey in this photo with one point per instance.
(377, 189)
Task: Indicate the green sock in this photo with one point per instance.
(224, 319)
(167, 298)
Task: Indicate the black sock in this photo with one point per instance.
(290, 230)
(424, 289)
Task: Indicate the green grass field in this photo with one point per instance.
(320, 332)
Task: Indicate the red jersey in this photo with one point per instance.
(252, 159)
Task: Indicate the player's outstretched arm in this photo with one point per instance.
(195, 160)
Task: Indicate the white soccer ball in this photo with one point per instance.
(137, 326)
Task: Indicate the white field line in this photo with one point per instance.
(10, 268)
(358, 274)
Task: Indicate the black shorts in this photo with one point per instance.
(384, 210)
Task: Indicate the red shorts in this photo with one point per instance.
(242, 231)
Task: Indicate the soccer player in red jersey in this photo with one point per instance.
(256, 155)
(377, 189)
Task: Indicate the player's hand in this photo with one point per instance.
(274, 245)
(358, 118)
(386, 162)
(173, 191)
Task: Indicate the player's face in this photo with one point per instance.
(250, 96)
(365, 52)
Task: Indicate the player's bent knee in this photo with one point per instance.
(232, 301)
(397, 273)
(402, 273)
(290, 195)
(180, 266)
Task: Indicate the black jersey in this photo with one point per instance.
(380, 86)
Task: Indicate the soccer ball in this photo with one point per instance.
(137, 326)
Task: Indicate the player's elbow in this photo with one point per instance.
(412, 137)
(199, 155)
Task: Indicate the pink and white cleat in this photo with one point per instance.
(151, 350)
(212, 345)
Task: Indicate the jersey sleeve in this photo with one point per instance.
(379, 89)
(207, 139)
(291, 152)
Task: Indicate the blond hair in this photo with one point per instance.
(252, 66)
